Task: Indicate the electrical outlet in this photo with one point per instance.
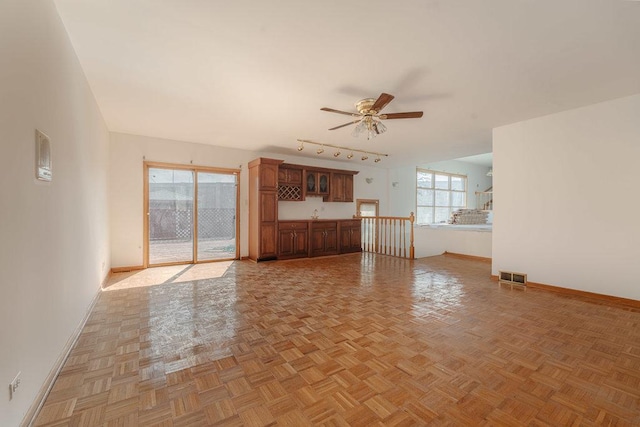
(13, 386)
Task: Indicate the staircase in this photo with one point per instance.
(484, 199)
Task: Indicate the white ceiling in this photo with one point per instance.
(485, 159)
(254, 74)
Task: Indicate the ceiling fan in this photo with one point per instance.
(368, 117)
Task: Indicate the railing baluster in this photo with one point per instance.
(395, 244)
(388, 235)
(371, 225)
(403, 240)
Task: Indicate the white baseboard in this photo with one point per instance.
(34, 410)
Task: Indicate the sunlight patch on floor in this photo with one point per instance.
(169, 274)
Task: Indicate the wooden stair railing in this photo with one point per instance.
(484, 199)
(388, 235)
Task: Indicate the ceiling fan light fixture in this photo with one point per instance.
(368, 118)
(361, 127)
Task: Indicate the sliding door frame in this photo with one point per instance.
(195, 169)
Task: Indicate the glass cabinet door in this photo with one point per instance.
(311, 182)
(323, 183)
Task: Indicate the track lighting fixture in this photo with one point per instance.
(338, 150)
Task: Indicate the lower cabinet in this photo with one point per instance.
(350, 236)
(324, 238)
(302, 238)
(293, 239)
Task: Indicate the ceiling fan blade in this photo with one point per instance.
(411, 115)
(382, 101)
(331, 110)
(346, 124)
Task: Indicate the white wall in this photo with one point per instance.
(431, 241)
(54, 236)
(402, 196)
(565, 198)
(127, 154)
(126, 184)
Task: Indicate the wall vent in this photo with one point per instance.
(512, 279)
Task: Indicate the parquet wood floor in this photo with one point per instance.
(359, 340)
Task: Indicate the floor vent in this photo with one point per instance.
(512, 279)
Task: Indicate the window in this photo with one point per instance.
(367, 207)
(438, 194)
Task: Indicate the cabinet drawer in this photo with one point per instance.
(324, 225)
(350, 223)
(293, 225)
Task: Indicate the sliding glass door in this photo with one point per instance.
(191, 214)
(217, 200)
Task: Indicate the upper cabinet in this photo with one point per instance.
(317, 183)
(291, 176)
(290, 183)
(341, 187)
(268, 176)
(295, 182)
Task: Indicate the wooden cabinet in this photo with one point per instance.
(295, 182)
(290, 176)
(317, 183)
(341, 187)
(350, 236)
(323, 238)
(268, 174)
(289, 183)
(270, 181)
(263, 209)
(348, 188)
(293, 239)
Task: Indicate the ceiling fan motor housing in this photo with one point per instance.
(364, 106)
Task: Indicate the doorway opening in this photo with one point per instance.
(191, 214)
(367, 207)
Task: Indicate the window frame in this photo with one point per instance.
(360, 202)
(433, 187)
